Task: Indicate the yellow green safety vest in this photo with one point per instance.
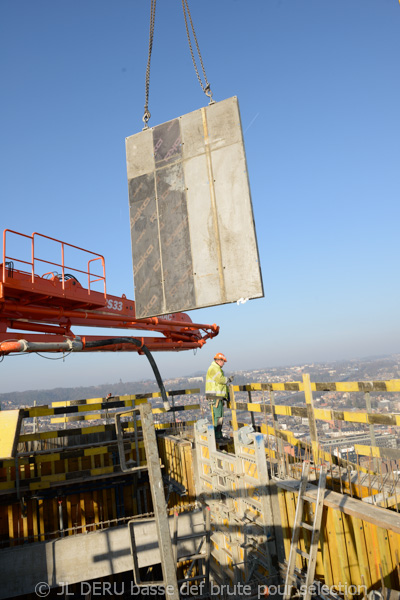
(216, 381)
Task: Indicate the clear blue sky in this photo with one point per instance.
(318, 85)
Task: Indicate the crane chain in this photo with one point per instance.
(206, 88)
(147, 114)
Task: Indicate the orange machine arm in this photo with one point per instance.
(46, 307)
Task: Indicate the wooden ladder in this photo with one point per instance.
(299, 524)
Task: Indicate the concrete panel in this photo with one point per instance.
(88, 556)
(207, 246)
(192, 132)
(235, 223)
(167, 143)
(202, 234)
(176, 256)
(139, 154)
(145, 243)
(223, 123)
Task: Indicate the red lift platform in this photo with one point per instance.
(42, 308)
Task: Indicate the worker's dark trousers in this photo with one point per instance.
(218, 432)
(217, 409)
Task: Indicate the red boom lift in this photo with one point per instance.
(47, 306)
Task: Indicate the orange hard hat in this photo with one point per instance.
(220, 356)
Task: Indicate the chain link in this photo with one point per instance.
(206, 88)
(147, 114)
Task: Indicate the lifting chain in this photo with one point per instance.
(206, 88)
(147, 114)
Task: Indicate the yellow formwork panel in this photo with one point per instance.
(361, 552)
(325, 571)
(10, 425)
(354, 552)
(386, 566)
(351, 548)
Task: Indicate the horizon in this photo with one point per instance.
(200, 373)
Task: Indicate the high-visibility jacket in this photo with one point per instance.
(216, 381)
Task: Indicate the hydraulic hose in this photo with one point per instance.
(145, 350)
(25, 346)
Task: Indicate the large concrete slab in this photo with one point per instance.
(192, 226)
(89, 556)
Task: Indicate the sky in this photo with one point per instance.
(318, 87)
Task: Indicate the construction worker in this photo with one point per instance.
(217, 392)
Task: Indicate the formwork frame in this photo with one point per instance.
(235, 487)
(359, 549)
(168, 558)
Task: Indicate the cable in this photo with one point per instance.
(48, 357)
(145, 350)
(206, 88)
(147, 114)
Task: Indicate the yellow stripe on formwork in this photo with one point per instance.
(168, 425)
(45, 411)
(280, 409)
(45, 435)
(355, 417)
(101, 471)
(125, 398)
(96, 451)
(182, 407)
(76, 402)
(377, 451)
(54, 477)
(51, 456)
(75, 418)
(40, 485)
(97, 406)
(373, 451)
(96, 417)
(41, 458)
(283, 410)
(10, 424)
(322, 414)
(391, 385)
(45, 481)
(7, 485)
(75, 407)
(369, 418)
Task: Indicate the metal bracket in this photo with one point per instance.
(244, 435)
(201, 426)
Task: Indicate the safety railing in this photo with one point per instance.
(63, 276)
(289, 447)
